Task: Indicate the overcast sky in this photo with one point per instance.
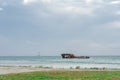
(51, 27)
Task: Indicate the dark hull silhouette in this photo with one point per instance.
(73, 56)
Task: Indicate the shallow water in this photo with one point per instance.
(58, 62)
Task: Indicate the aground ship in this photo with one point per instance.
(68, 55)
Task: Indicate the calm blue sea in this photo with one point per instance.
(58, 62)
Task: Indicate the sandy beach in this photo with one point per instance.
(19, 69)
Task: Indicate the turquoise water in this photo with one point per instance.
(58, 62)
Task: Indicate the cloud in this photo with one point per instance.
(26, 2)
(94, 1)
(1, 9)
(73, 10)
(61, 7)
(67, 7)
(48, 1)
(118, 13)
(4, 4)
(115, 2)
(113, 25)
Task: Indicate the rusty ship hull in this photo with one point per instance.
(70, 56)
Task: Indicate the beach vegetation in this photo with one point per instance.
(64, 75)
(77, 67)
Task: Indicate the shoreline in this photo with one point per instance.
(22, 69)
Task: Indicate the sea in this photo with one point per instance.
(112, 62)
